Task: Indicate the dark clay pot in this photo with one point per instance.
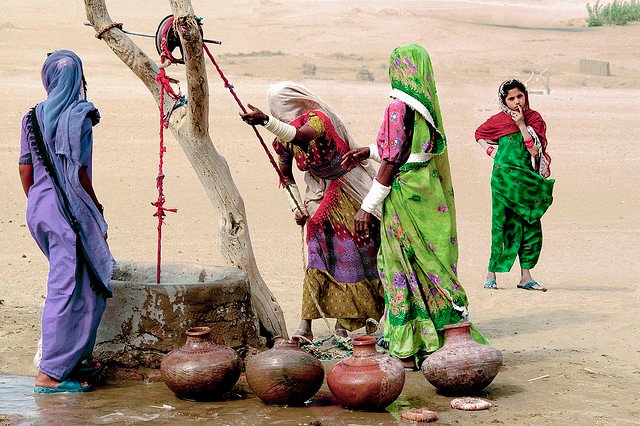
(201, 369)
(462, 365)
(285, 374)
(367, 379)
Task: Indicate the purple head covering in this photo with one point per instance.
(61, 117)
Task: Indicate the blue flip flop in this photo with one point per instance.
(87, 373)
(65, 386)
(533, 285)
(491, 284)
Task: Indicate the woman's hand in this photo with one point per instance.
(254, 117)
(301, 217)
(354, 157)
(363, 222)
(518, 116)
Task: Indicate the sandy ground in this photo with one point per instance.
(583, 333)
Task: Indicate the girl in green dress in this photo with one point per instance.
(520, 189)
(418, 256)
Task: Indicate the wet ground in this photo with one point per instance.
(134, 403)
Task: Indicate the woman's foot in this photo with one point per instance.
(304, 332)
(340, 335)
(531, 285)
(44, 380)
(408, 363)
(527, 282)
(341, 332)
(47, 384)
(87, 371)
(491, 283)
(304, 336)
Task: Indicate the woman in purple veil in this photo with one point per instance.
(66, 221)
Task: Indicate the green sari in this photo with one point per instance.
(418, 253)
(520, 197)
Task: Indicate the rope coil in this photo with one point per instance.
(112, 25)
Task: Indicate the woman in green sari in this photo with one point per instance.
(520, 189)
(418, 255)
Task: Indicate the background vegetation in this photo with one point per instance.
(619, 12)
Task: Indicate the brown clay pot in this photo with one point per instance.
(367, 379)
(201, 369)
(285, 374)
(462, 365)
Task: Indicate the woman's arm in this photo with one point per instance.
(488, 146)
(394, 145)
(301, 138)
(26, 177)
(518, 117)
(385, 175)
(85, 181)
(285, 164)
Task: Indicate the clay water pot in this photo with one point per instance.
(462, 365)
(201, 369)
(367, 379)
(285, 374)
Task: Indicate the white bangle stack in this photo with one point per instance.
(286, 132)
(373, 152)
(290, 201)
(375, 197)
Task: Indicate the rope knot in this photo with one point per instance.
(112, 25)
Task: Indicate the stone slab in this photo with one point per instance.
(590, 66)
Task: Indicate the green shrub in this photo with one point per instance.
(619, 12)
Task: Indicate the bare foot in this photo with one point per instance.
(342, 332)
(45, 380)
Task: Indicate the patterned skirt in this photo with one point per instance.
(341, 275)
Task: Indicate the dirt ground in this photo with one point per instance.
(582, 335)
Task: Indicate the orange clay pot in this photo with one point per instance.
(367, 379)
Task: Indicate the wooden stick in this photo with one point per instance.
(538, 378)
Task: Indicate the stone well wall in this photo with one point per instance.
(144, 320)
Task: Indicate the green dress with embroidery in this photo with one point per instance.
(418, 252)
(520, 197)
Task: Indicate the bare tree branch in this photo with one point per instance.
(190, 127)
(123, 46)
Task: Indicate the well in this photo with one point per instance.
(144, 320)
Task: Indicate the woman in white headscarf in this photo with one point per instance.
(341, 277)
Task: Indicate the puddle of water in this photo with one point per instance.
(138, 403)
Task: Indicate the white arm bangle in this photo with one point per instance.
(375, 197)
(286, 132)
(296, 194)
(373, 152)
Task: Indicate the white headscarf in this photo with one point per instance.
(288, 100)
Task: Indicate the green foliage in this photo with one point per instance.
(619, 12)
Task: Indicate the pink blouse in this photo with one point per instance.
(392, 139)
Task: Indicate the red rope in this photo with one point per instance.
(244, 110)
(165, 87)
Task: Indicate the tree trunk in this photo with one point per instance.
(190, 127)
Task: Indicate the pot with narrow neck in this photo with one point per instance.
(461, 365)
(201, 369)
(367, 379)
(285, 374)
